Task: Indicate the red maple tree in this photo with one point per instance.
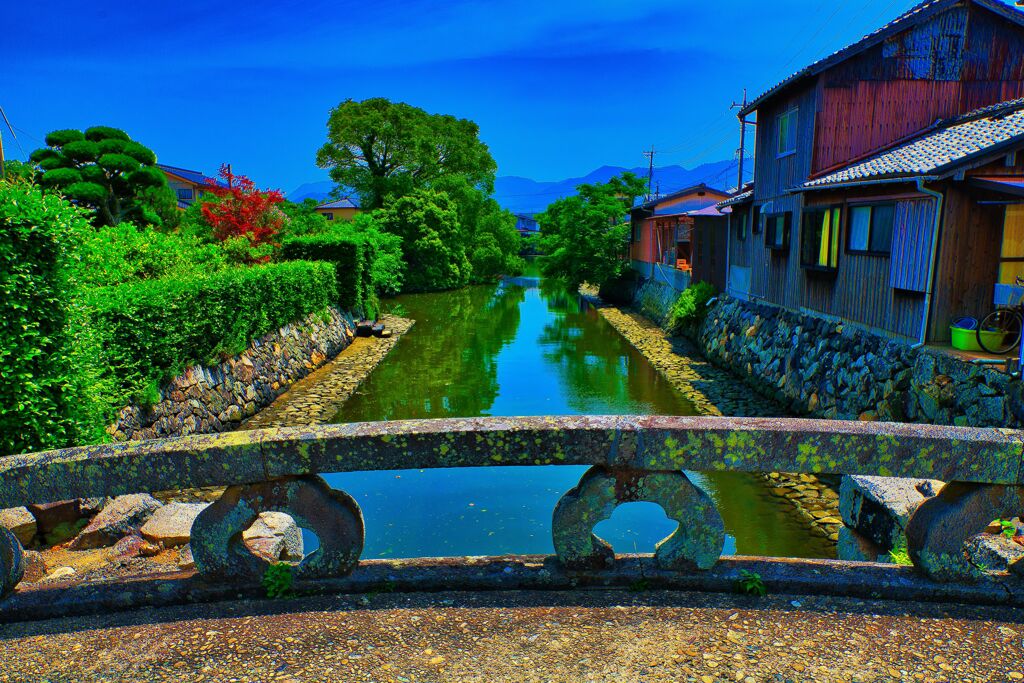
(242, 209)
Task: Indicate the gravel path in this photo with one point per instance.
(523, 637)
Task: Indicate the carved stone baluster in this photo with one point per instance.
(12, 562)
(695, 544)
(938, 529)
(334, 516)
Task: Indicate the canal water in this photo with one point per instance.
(527, 347)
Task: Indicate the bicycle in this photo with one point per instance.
(1003, 325)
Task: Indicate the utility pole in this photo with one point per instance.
(3, 172)
(650, 171)
(743, 136)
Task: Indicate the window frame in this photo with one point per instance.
(871, 226)
(185, 194)
(787, 228)
(741, 227)
(838, 212)
(793, 112)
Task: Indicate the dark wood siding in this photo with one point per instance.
(709, 247)
(953, 63)
(968, 263)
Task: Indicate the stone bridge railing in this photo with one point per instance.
(632, 459)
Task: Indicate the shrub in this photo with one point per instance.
(152, 330)
(37, 233)
(348, 255)
(278, 579)
(387, 264)
(691, 307)
(122, 253)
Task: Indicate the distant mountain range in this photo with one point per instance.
(525, 195)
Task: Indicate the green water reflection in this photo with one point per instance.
(526, 348)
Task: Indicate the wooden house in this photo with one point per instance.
(887, 179)
(680, 237)
(526, 224)
(344, 209)
(188, 185)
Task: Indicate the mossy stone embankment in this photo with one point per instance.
(715, 391)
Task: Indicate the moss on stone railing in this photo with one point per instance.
(633, 458)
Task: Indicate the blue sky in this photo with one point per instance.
(559, 87)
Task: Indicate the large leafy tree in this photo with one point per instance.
(585, 236)
(380, 148)
(105, 170)
(435, 253)
(489, 230)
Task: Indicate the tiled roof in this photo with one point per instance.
(740, 198)
(343, 203)
(940, 149)
(913, 16)
(191, 176)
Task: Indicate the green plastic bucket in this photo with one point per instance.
(967, 340)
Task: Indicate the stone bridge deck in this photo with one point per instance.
(526, 637)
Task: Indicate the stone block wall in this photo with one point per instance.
(824, 368)
(216, 399)
(655, 299)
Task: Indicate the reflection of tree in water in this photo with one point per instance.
(597, 366)
(446, 365)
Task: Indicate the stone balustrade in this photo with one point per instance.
(631, 459)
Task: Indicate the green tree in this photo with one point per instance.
(435, 253)
(381, 148)
(585, 236)
(488, 229)
(103, 169)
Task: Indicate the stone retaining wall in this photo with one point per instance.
(824, 368)
(655, 300)
(317, 398)
(216, 399)
(714, 391)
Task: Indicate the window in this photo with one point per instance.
(776, 230)
(1011, 254)
(755, 220)
(871, 228)
(819, 246)
(185, 193)
(742, 221)
(787, 132)
(329, 216)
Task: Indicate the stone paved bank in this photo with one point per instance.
(205, 400)
(715, 391)
(316, 398)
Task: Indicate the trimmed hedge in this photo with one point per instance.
(152, 330)
(351, 255)
(36, 380)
